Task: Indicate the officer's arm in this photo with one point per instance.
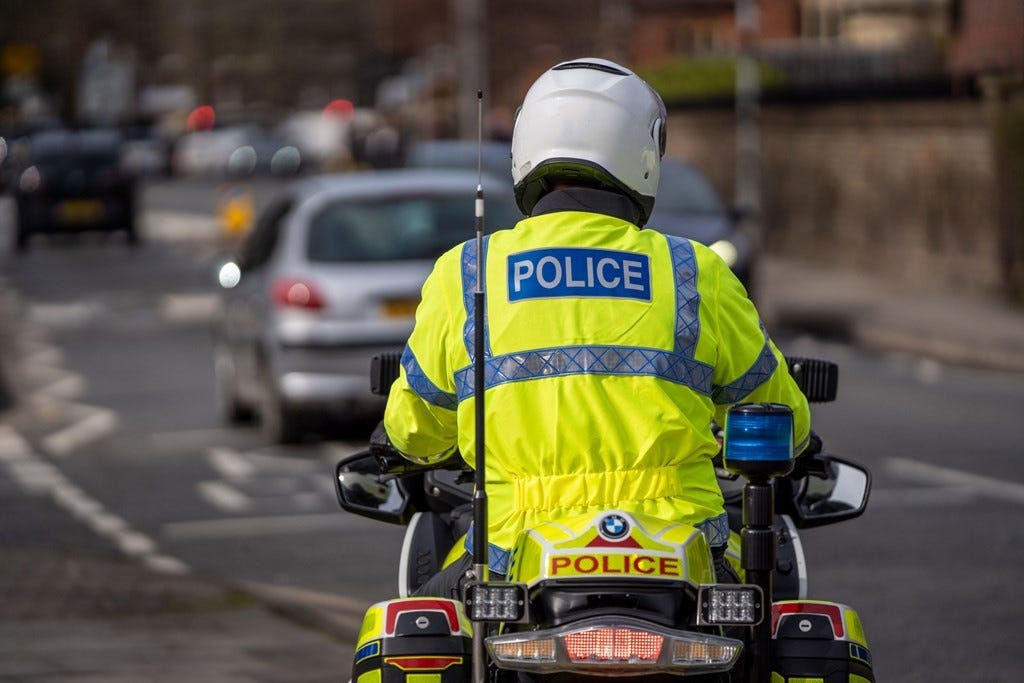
(420, 416)
(750, 368)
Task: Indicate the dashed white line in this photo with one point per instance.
(231, 464)
(224, 496)
(98, 423)
(68, 387)
(37, 477)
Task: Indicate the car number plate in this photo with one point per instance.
(400, 308)
(80, 210)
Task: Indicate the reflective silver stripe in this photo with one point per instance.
(422, 385)
(684, 265)
(758, 374)
(497, 557)
(716, 530)
(677, 366)
(469, 275)
(592, 360)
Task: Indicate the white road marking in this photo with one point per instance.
(919, 497)
(68, 387)
(178, 226)
(238, 527)
(97, 424)
(926, 473)
(165, 564)
(43, 354)
(12, 446)
(223, 496)
(231, 464)
(64, 315)
(37, 477)
(187, 308)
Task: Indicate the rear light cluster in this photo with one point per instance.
(296, 293)
(602, 646)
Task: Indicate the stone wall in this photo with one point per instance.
(905, 190)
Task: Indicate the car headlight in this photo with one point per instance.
(727, 250)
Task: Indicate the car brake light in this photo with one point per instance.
(296, 293)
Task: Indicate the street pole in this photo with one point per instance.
(748, 134)
(471, 25)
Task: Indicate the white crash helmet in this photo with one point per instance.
(590, 121)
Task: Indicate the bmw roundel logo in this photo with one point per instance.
(614, 527)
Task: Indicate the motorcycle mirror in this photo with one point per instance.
(838, 493)
(363, 490)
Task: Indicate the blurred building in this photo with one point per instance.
(261, 58)
(988, 39)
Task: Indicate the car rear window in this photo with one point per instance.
(398, 228)
(684, 190)
(87, 147)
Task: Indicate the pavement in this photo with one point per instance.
(73, 615)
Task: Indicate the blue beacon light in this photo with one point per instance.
(759, 439)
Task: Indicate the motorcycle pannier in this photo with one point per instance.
(414, 640)
(817, 641)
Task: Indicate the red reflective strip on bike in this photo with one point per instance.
(423, 663)
(833, 613)
(396, 608)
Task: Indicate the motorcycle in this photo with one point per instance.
(615, 594)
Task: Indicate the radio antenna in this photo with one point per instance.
(480, 541)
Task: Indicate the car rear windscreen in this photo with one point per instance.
(399, 228)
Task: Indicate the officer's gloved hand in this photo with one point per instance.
(381, 448)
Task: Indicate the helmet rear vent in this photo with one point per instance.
(607, 68)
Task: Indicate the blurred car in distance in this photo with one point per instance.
(495, 159)
(329, 276)
(72, 181)
(145, 152)
(688, 205)
(235, 151)
(322, 139)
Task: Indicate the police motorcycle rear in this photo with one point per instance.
(615, 594)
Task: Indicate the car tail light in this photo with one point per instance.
(620, 646)
(297, 293)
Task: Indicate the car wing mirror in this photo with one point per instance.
(838, 492)
(363, 490)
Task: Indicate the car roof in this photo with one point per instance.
(388, 182)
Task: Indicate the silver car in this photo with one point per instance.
(329, 277)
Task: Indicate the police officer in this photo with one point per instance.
(609, 349)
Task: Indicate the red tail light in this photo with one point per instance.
(614, 644)
(296, 293)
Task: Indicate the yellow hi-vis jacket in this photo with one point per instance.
(609, 350)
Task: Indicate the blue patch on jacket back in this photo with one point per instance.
(575, 272)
